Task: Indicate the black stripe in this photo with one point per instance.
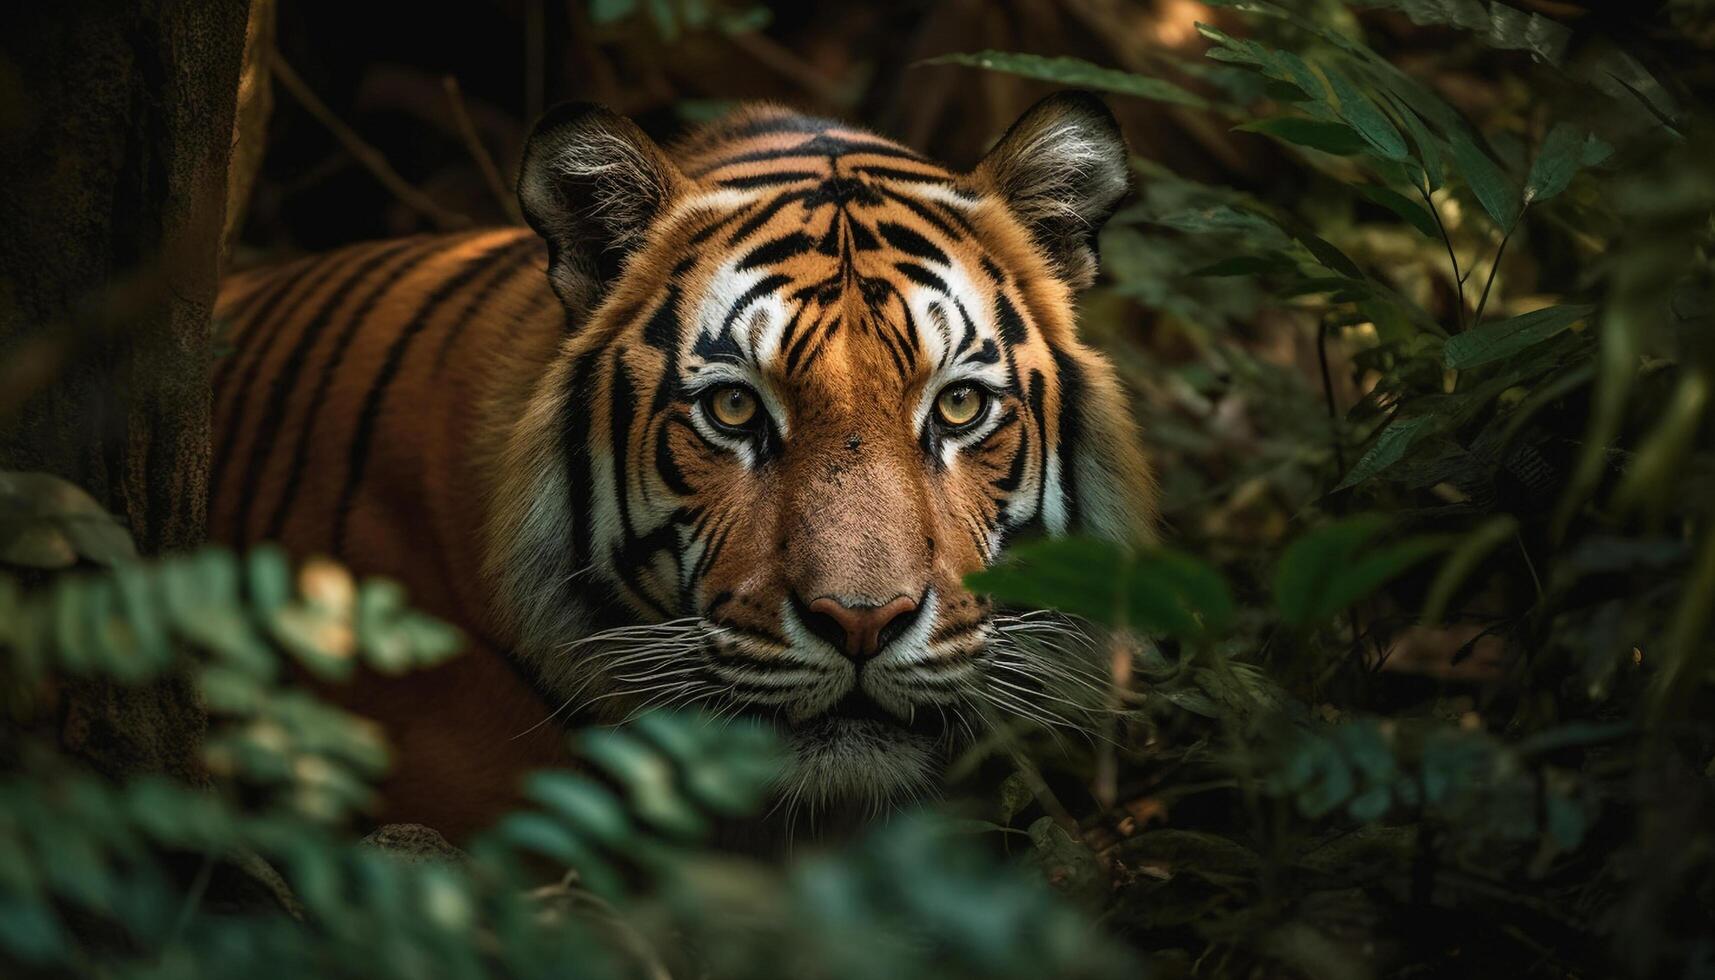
(575, 424)
(761, 217)
(910, 338)
(911, 243)
(862, 238)
(286, 382)
(821, 145)
(251, 345)
(763, 286)
(280, 390)
(797, 350)
(1038, 411)
(822, 345)
(884, 332)
(662, 330)
(666, 466)
(1015, 472)
(273, 284)
(988, 353)
(1012, 328)
(970, 332)
(910, 176)
(771, 179)
(620, 413)
(936, 221)
(922, 276)
(791, 329)
(635, 550)
(777, 251)
(707, 231)
(711, 552)
(543, 297)
(1071, 430)
(497, 258)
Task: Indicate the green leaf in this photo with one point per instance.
(268, 575)
(1492, 187)
(1497, 24)
(543, 835)
(1388, 449)
(1360, 577)
(1399, 204)
(1158, 591)
(1075, 72)
(1311, 559)
(1329, 255)
(1068, 863)
(47, 522)
(1299, 82)
(1464, 559)
(1565, 151)
(1222, 218)
(583, 803)
(611, 11)
(31, 932)
(1078, 576)
(1175, 593)
(1370, 122)
(1489, 342)
(1328, 569)
(1329, 137)
(648, 778)
(1428, 147)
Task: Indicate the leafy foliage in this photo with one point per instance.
(1456, 694)
(1422, 685)
(605, 874)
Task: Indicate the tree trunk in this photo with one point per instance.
(116, 125)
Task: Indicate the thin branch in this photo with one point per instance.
(1496, 267)
(1328, 395)
(367, 155)
(1535, 579)
(1458, 280)
(787, 62)
(507, 200)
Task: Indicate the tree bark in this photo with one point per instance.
(116, 124)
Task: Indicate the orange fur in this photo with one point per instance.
(430, 411)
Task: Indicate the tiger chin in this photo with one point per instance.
(726, 428)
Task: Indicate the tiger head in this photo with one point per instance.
(810, 381)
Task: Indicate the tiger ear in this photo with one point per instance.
(1061, 169)
(591, 183)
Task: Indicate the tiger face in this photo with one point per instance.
(812, 380)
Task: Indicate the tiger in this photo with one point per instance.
(726, 426)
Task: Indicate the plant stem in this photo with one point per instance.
(507, 200)
(1328, 395)
(1458, 280)
(1496, 267)
(367, 155)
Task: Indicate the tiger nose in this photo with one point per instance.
(866, 629)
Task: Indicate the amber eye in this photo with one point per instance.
(958, 405)
(733, 406)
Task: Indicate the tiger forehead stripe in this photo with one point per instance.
(845, 209)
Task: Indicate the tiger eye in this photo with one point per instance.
(959, 405)
(733, 406)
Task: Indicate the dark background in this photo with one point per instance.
(381, 69)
